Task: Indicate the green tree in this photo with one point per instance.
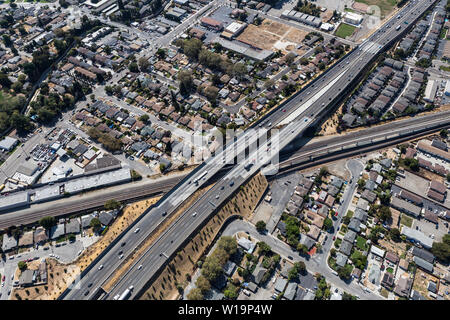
(231, 291)
(112, 204)
(211, 268)
(161, 53)
(395, 234)
(384, 213)
(260, 226)
(186, 82)
(22, 265)
(443, 133)
(95, 224)
(47, 222)
(144, 118)
(133, 67)
(143, 64)
(345, 272)
(327, 223)
(264, 248)
(195, 294)
(227, 243)
(203, 284)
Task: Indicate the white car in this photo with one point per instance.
(140, 267)
(194, 214)
(100, 267)
(137, 230)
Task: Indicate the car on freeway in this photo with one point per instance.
(164, 213)
(100, 267)
(140, 267)
(194, 214)
(137, 230)
(121, 256)
(231, 183)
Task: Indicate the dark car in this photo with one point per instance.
(123, 243)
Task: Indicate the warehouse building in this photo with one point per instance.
(353, 18)
(14, 200)
(430, 91)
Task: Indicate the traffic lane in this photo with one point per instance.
(175, 242)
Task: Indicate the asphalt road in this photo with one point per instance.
(309, 102)
(312, 265)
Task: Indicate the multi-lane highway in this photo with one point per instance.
(308, 104)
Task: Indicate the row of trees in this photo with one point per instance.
(109, 143)
(212, 268)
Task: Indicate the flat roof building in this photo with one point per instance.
(14, 200)
(8, 143)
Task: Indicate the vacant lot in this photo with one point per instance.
(254, 36)
(59, 276)
(271, 35)
(405, 220)
(344, 30)
(274, 27)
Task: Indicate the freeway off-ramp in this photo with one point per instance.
(310, 102)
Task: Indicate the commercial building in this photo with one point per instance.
(8, 143)
(417, 236)
(405, 206)
(353, 18)
(302, 17)
(447, 88)
(430, 91)
(211, 23)
(14, 200)
(233, 30)
(245, 49)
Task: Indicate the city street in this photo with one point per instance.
(284, 250)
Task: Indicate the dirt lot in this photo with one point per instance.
(271, 35)
(59, 276)
(177, 273)
(421, 282)
(393, 222)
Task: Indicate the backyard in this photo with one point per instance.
(361, 243)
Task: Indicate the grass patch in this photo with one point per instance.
(361, 243)
(332, 263)
(338, 242)
(405, 220)
(444, 68)
(390, 270)
(350, 213)
(345, 30)
(443, 33)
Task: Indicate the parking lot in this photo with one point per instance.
(429, 228)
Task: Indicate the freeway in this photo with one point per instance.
(327, 148)
(306, 105)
